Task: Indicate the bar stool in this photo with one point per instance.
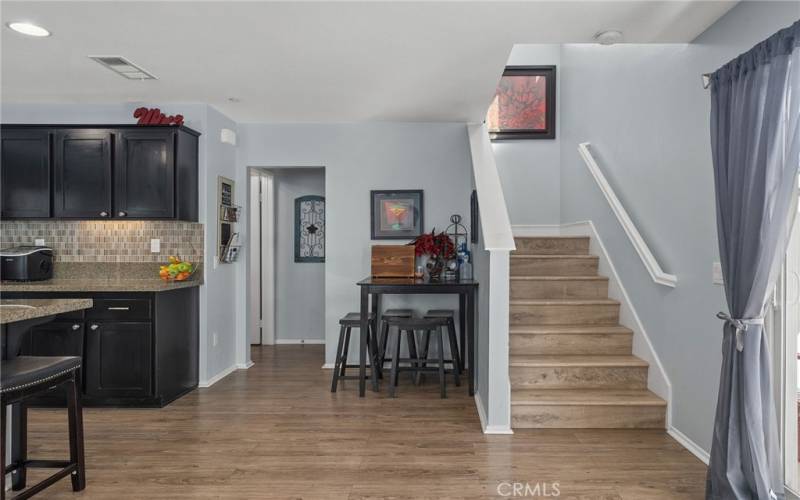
(451, 332)
(408, 326)
(384, 337)
(346, 324)
(24, 377)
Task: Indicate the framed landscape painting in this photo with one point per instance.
(396, 215)
(524, 106)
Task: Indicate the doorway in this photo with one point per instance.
(286, 271)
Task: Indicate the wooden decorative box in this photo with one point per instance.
(393, 261)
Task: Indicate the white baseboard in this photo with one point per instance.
(300, 341)
(534, 230)
(327, 366)
(690, 445)
(489, 429)
(244, 366)
(216, 378)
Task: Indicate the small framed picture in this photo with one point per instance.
(524, 106)
(396, 215)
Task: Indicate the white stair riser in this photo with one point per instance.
(568, 314)
(559, 289)
(543, 266)
(571, 343)
(588, 416)
(578, 377)
(552, 246)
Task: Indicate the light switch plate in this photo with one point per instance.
(155, 245)
(39, 242)
(716, 274)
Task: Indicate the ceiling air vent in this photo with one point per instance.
(124, 67)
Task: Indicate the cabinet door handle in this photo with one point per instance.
(120, 308)
(94, 327)
(103, 214)
(76, 327)
(122, 214)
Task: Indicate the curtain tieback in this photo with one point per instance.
(740, 326)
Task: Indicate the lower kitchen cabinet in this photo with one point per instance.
(118, 360)
(139, 349)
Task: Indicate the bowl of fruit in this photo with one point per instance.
(177, 270)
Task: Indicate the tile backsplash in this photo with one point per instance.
(107, 241)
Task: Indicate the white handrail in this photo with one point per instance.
(495, 224)
(649, 260)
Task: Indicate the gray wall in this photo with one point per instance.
(218, 295)
(358, 158)
(529, 170)
(299, 286)
(645, 112)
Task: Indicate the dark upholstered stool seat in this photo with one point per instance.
(354, 319)
(25, 371)
(24, 377)
(398, 313)
(440, 313)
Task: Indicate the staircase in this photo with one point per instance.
(570, 360)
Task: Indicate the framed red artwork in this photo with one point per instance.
(524, 106)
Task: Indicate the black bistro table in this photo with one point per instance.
(374, 288)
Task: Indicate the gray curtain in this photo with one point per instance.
(755, 109)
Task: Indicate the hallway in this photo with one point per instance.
(275, 431)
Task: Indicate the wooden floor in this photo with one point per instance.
(275, 431)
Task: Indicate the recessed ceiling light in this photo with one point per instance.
(609, 37)
(28, 29)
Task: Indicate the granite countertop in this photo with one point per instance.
(98, 285)
(12, 310)
(103, 277)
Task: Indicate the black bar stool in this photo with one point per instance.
(346, 324)
(418, 364)
(451, 333)
(384, 338)
(26, 376)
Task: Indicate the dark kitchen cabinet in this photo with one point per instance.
(25, 176)
(100, 172)
(144, 184)
(118, 360)
(82, 174)
(139, 349)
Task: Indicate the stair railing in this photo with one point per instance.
(648, 259)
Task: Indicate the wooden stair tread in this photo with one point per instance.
(585, 397)
(569, 360)
(569, 329)
(545, 256)
(562, 302)
(560, 277)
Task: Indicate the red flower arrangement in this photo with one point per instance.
(435, 245)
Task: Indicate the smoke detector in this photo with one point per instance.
(608, 37)
(124, 67)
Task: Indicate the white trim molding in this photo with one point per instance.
(489, 429)
(244, 366)
(216, 378)
(648, 259)
(694, 448)
(300, 341)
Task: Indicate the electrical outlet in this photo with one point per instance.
(716, 274)
(155, 245)
(214, 339)
(39, 242)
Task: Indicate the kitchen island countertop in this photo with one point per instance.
(98, 285)
(13, 310)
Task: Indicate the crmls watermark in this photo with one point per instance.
(520, 489)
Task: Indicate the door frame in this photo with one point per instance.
(260, 278)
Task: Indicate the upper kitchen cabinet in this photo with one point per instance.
(82, 174)
(25, 173)
(144, 174)
(100, 172)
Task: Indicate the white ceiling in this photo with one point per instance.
(311, 61)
